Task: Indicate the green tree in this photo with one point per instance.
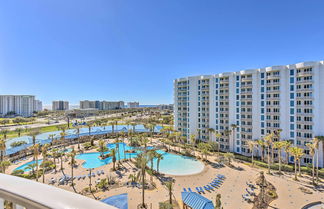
(45, 155)
(18, 131)
(297, 153)
(252, 144)
(33, 133)
(169, 185)
(72, 163)
(279, 145)
(113, 154)
(312, 148)
(35, 149)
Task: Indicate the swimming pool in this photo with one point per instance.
(171, 164)
(25, 168)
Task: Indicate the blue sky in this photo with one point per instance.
(132, 50)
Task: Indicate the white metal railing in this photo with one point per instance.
(24, 193)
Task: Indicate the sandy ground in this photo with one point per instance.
(290, 196)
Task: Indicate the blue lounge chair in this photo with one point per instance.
(211, 188)
(184, 189)
(201, 189)
(206, 188)
(198, 190)
(190, 190)
(214, 185)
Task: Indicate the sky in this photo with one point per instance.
(132, 50)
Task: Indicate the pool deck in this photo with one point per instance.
(290, 196)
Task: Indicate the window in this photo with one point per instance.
(262, 75)
(291, 71)
(292, 80)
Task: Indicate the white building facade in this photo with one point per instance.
(249, 104)
(133, 104)
(22, 105)
(38, 105)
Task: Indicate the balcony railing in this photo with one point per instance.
(24, 193)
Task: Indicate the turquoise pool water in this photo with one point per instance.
(25, 168)
(178, 165)
(171, 164)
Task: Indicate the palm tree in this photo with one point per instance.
(35, 155)
(33, 133)
(210, 132)
(159, 158)
(286, 147)
(279, 145)
(169, 186)
(62, 154)
(77, 132)
(2, 149)
(251, 145)
(312, 148)
(73, 163)
(112, 124)
(316, 141)
(233, 127)
(55, 154)
(19, 130)
(4, 165)
(297, 153)
(218, 136)
(44, 153)
(102, 147)
(143, 160)
(268, 142)
(63, 134)
(261, 145)
(89, 125)
(4, 132)
(51, 136)
(113, 154)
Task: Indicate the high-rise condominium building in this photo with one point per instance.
(101, 105)
(60, 105)
(287, 100)
(23, 105)
(133, 104)
(38, 105)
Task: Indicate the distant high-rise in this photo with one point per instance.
(38, 105)
(60, 105)
(23, 105)
(133, 104)
(101, 105)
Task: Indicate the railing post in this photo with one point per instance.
(1, 203)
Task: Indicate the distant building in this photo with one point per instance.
(23, 105)
(165, 107)
(104, 105)
(133, 104)
(86, 104)
(60, 105)
(101, 105)
(38, 105)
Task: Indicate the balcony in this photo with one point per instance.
(271, 77)
(24, 193)
(301, 74)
